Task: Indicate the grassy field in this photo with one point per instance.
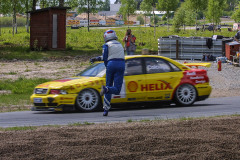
(80, 41)
(17, 93)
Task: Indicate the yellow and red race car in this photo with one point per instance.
(147, 78)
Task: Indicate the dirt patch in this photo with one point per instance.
(213, 138)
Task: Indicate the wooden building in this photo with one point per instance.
(48, 28)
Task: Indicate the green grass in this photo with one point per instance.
(18, 128)
(82, 42)
(21, 90)
(80, 124)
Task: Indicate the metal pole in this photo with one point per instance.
(0, 25)
(177, 49)
(88, 14)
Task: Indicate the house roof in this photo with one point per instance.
(49, 8)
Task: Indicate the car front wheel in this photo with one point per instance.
(88, 100)
(185, 95)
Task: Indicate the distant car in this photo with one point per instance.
(147, 78)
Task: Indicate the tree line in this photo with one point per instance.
(185, 13)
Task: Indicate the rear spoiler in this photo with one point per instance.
(198, 64)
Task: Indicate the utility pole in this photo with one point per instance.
(88, 10)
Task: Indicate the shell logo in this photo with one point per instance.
(132, 86)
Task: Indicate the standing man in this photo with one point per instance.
(129, 41)
(113, 57)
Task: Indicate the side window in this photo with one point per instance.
(157, 65)
(175, 68)
(133, 67)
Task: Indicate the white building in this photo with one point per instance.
(157, 13)
(114, 8)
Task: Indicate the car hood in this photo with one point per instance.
(69, 82)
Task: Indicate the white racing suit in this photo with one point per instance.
(113, 57)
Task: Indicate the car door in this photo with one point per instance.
(162, 77)
(134, 79)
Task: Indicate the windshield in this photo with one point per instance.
(95, 70)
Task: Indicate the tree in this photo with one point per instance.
(139, 4)
(197, 6)
(231, 4)
(61, 3)
(215, 10)
(236, 15)
(127, 8)
(26, 10)
(140, 19)
(34, 4)
(106, 5)
(149, 6)
(169, 5)
(180, 18)
(117, 1)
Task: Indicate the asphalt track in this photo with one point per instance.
(209, 107)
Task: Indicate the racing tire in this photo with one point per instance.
(185, 95)
(88, 100)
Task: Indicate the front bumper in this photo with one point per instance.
(55, 109)
(52, 102)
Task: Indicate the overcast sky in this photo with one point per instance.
(112, 1)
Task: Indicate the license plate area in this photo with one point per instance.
(37, 100)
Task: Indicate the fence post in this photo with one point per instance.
(177, 47)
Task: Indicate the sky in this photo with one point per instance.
(112, 1)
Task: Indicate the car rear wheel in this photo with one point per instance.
(88, 100)
(185, 95)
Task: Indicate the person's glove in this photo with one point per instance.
(94, 59)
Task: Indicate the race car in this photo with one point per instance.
(147, 78)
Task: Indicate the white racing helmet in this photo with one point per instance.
(110, 35)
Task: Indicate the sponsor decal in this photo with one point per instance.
(71, 88)
(78, 85)
(167, 95)
(65, 98)
(202, 81)
(197, 77)
(163, 85)
(131, 99)
(202, 87)
(153, 98)
(149, 67)
(97, 82)
(116, 97)
(191, 73)
(65, 102)
(132, 86)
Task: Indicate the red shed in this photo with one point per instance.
(231, 49)
(48, 28)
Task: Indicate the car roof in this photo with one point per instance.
(143, 56)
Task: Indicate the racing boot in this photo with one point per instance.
(105, 112)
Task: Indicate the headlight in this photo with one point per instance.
(63, 92)
(57, 91)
